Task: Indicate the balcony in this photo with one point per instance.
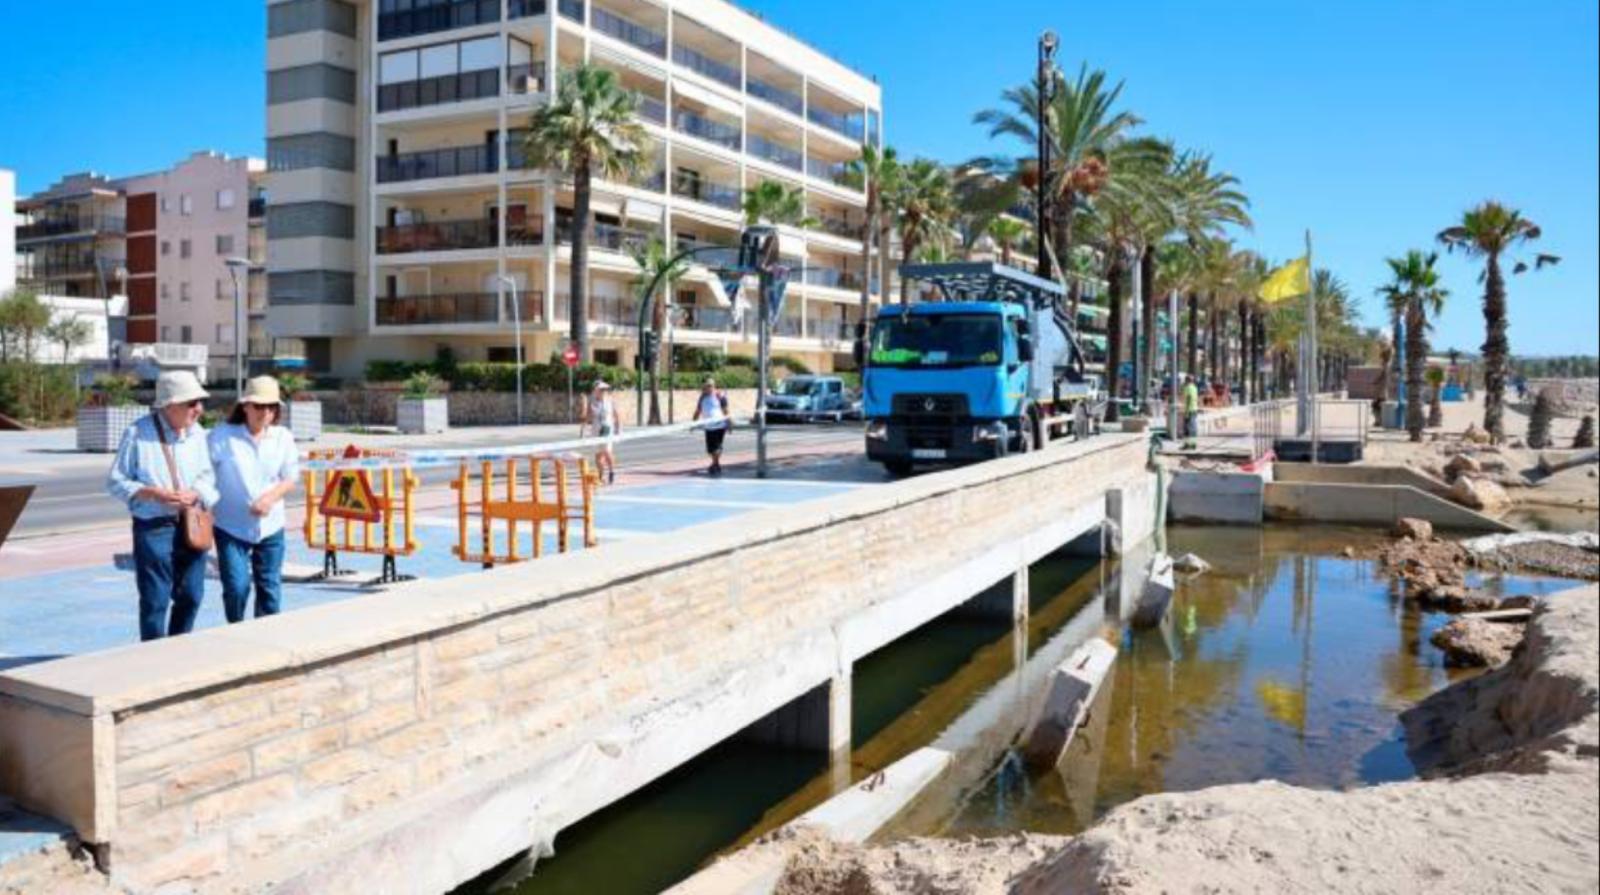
(608, 236)
(761, 147)
(572, 9)
(834, 172)
(777, 96)
(653, 180)
(446, 236)
(852, 125)
(729, 197)
(832, 279)
(72, 225)
(631, 33)
(438, 90)
(456, 161)
(619, 313)
(525, 79)
(838, 226)
(425, 310)
(522, 9)
(430, 16)
(695, 125)
(257, 207)
(717, 320)
(651, 109)
(696, 61)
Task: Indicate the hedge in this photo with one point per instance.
(38, 393)
(549, 377)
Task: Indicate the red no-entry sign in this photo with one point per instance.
(570, 356)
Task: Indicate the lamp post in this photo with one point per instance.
(1047, 53)
(240, 336)
(516, 321)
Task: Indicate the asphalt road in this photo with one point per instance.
(78, 499)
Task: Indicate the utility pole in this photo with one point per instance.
(240, 334)
(1041, 202)
(516, 321)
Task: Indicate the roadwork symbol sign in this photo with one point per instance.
(349, 494)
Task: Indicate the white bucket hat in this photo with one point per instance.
(261, 390)
(178, 387)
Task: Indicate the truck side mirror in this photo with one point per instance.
(1025, 349)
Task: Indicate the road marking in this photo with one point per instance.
(689, 502)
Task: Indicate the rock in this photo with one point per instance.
(1191, 564)
(1475, 643)
(1520, 601)
(1479, 494)
(1455, 599)
(1348, 553)
(1475, 434)
(1416, 529)
(1461, 464)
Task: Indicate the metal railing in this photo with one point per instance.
(572, 9)
(70, 224)
(761, 147)
(429, 17)
(607, 236)
(526, 78)
(618, 313)
(832, 279)
(453, 161)
(833, 172)
(716, 70)
(438, 236)
(717, 194)
(629, 32)
(652, 109)
(426, 310)
(852, 125)
(719, 320)
(777, 96)
(439, 90)
(838, 226)
(521, 9)
(695, 125)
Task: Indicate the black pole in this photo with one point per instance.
(645, 303)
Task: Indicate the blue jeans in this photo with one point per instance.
(241, 562)
(170, 576)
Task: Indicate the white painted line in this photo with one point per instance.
(688, 502)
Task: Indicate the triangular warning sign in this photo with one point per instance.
(349, 494)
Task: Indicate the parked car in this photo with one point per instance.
(806, 397)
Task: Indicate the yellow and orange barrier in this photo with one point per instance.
(346, 514)
(513, 507)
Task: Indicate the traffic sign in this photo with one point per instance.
(349, 495)
(570, 356)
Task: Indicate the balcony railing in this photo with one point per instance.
(429, 17)
(838, 226)
(655, 181)
(607, 236)
(437, 90)
(619, 313)
(652, 109)
(696, 61)
(695, 125)
(833, 172)
(717, 320)
(730, 197)
(851, 125)
(258, 207)
(761, 147)
(64, 267)
(629, 32)
(832, 279)
(71, 224)
(572, 9)
(445, 236)
(783, 99)
(455, 161)
(521, 9)
(525, 78)
(424, 310)
(786, 326)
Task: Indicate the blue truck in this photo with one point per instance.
(992, 367)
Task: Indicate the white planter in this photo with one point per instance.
(423, 416)
(303, 419)
(100, 428)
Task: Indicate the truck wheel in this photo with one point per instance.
(897, 469)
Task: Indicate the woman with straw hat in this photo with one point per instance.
(256, 465)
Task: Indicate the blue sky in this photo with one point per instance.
(1372, 123)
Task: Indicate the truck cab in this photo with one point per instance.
(992, 369)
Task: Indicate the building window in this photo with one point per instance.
(224, 244)
(224, 334)
(183, 295)
(610, 357)
(166, 205)
(224, 199)
(166, 248)
(185, 248)
(166, 333)
(185, 205)
(186, 334)
(222, 291)
(166, 292)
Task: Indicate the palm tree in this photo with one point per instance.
(1490, 230)
(1006, 232)
(657, 265)
(1415, 288)
(588, 130)
(925, 201)
(873, 173)
(772, 202)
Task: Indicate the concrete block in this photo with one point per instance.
(1378, 505)
(1233, 498)
(1156, 594)
(1072, 691)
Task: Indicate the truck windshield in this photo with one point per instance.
(936, 340)
(795, 385)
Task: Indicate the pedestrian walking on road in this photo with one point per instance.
(163, 473)
(1191, 412)
(257, 466)
(600, 413)
(713, 409)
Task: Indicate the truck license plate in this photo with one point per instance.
(927, 453)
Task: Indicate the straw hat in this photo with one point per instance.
(178, 387)
(261, 390)
(602, 385)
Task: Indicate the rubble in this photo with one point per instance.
(1475, 643)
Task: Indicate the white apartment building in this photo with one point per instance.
(163, 240)
(8, 230)
(401, 198)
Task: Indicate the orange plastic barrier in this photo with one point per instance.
(533, 509)
(345, 514)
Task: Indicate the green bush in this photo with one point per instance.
(694, 359)
(423, 384)
(743, 361)
(394, 370)
(37, 393)
(790, 363)
(112, 391)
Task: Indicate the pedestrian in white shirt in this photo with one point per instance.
(257, 466)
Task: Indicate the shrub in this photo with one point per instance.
(394, 370)
(694, 359)
(112, 391)
(742, 361)
(423, 385)
(38, 393)
(293, 385)
(790, 363)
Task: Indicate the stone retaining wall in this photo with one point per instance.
(408, 740)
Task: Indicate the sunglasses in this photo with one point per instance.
(195, 404)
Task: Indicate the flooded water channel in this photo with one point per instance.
(1285, 661)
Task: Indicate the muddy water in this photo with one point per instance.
(1286, 661)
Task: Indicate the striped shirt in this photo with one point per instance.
(140, 463)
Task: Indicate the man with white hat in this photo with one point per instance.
(171, 575)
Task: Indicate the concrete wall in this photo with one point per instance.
(1370, 505)
(407, 741)
(1232, 498)
(1349, 474)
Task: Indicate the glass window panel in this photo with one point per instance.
(397, 68)
(437, 61)
(477, 55)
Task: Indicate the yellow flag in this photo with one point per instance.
(1288, 281)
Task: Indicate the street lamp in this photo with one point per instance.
(235, 265)
(516, 320)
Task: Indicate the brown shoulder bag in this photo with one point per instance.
(194, 523)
